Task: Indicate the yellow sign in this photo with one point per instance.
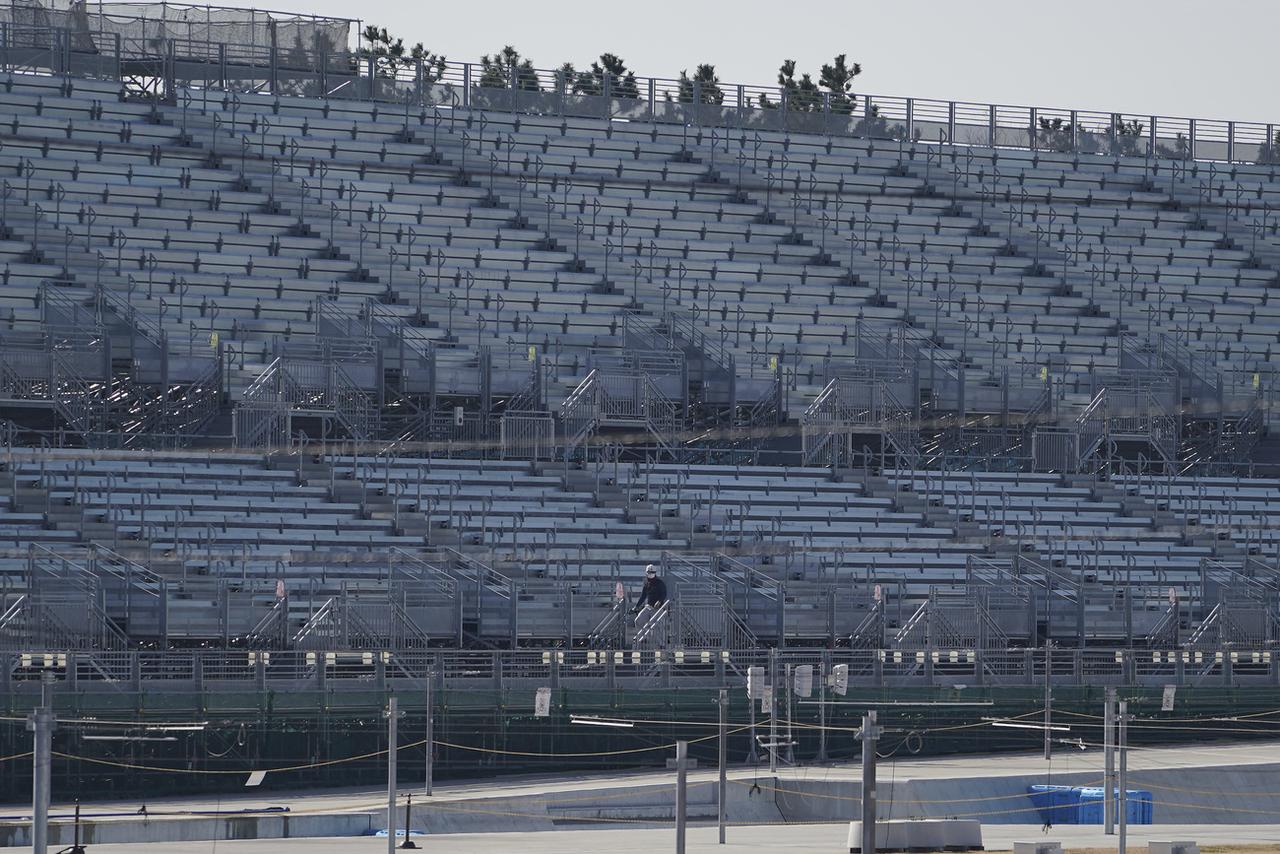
(533, 353)
(1257, 380)
(773, 363)
(1044, 373)
(213, 340)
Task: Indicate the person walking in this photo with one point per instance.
(652, 596)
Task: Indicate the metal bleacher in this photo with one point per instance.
(307, 351)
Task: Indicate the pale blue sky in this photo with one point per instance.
(1209, 59)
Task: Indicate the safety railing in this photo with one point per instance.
(529, 435)
(357, 670)
(292, 69)
(262, 417)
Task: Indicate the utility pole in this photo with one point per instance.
(1109, 762)
(41, 724)
(1124, 777)
(721, 804)
(869, 734)
(430, 739)
(391, 775)
(682, 792)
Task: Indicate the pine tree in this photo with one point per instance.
(390, 55)
(704, 82)
(498, 70)
(835, 81)
(611, 67)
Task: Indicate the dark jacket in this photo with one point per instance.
(653, 594)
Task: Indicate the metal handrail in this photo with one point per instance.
(735, 105)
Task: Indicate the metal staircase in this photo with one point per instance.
(1119, 417)
(856, 417)
(291, 388)
(1240, 605)
(62, 606)
(64, 366)
(620, 400)
(952, 619)
(362, 620)
(697, 614)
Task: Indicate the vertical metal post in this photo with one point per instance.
(773, 710)
(408, 823)
(391, 775)
(1124, 776)
(790, 738)
(822, 711)
(1109, 762)
(275, 62)
(1048, 699)
(430, 736)
(682, 793)
(722, 807)
(870, 732)
(41, 724)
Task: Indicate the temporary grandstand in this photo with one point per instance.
(316, 370)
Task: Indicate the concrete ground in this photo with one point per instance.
(1067, 760)
(797, 839)
(502, 814)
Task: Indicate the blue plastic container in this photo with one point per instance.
(1056, 804)
(1138, 805)
(1084, 804)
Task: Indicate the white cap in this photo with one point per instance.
(650, 570)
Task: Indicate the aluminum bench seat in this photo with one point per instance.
(85, 130)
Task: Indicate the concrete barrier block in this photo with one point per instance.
(1184, 847)
(920, 835)
(1037, 848)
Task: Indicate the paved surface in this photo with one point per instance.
(967, 774)
(1066, 760)
(798, 839)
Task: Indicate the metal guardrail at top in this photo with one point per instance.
(185, 671)
(740, 107)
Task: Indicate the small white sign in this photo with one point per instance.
(542, 703)
(840, 679)
(803, 680)
(255, 778)
(1166, 704)
(755, 682)
(766, 699)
